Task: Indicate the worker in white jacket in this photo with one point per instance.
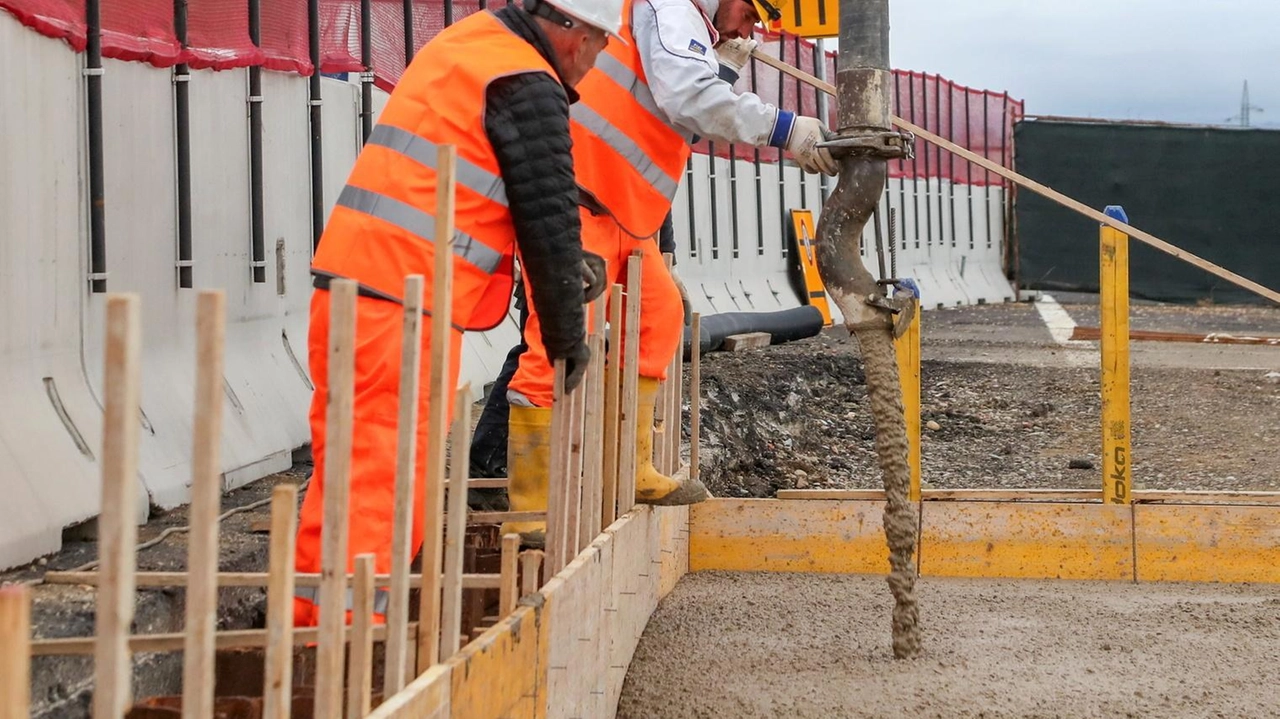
(682, 44)
(647, 97)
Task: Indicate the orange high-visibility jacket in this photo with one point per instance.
(383, 225)
(624, 152)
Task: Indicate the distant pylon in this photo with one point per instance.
(1245, 108)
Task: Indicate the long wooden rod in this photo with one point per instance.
(1043, 190)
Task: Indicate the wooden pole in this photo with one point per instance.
(1042, 190)
(530, 567)
(675, 379)
(397, 649)
(451, 621)
(360, 671)
(662, 407)
(573, 502)
(695, 396)
(173, 641)
(510, 592)
(117, 525)
(558, 478)
(593, 441)
(908, 354)
(630, 386)
(337, 490)
(15, 657)
(612, 425)
(278, 670)
(258, 579)
(441, 395)
(1117, 461)
(206, 493)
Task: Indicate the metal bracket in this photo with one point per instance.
(890, 144)
(903, 308)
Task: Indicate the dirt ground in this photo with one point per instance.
(800, 646)
(1009, 407)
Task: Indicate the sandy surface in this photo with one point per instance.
(759, 645)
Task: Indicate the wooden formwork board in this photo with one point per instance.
(565, 650)
(1181, 538)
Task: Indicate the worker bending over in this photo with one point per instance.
(640, 106)
(498, 86)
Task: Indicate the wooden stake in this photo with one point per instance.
(630, 384)
(360, 671)
(15, 657)
(278, 672)
(573, 501)
(612, 426)
(206, 494)
(337, 489)
(1040, 189)
(695, 396)
(558, 479)
(441, 395)
(593, 444)
(510, 592)
(117, 525)
(451, 621)
(530, 567)
(675, 379)
(406, 455)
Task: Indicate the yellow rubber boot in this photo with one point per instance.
(652, 486)
(528, 470)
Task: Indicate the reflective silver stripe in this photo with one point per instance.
(613, 68)
(312, 594)
(624, 146)
(419, 223)
(424, 153)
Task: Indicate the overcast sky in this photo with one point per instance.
(1173, 60)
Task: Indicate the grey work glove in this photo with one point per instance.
(575, 366)
(684, 298)
(806, 133)
(593, 276)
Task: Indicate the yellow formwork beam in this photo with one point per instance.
(1117, 461)
(908, 352)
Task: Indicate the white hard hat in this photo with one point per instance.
(603, 14)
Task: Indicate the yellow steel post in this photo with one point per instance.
(1117, 462)
(908, 352)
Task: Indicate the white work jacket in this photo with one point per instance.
(676, 41)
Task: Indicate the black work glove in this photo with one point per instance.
(575, 366)
(593, 276)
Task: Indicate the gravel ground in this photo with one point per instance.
(807, 646)
(1004, 407)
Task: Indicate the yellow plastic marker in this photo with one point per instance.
(802, 225)
(908, 352)
(1117, 464)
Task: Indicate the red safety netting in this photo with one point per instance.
(218, 38)
(218, 35)
(977, 120)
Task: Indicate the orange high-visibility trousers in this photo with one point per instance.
(661, 311)
(372, 503)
